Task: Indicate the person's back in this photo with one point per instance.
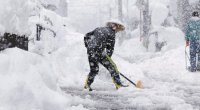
(193, 29)
(99, 38)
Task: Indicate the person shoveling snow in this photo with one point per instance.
(96, 42)
(100, 46)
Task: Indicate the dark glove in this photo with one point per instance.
(187, 43)
(86, 41)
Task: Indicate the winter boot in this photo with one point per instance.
(198, 66)
(190, 69)
(117, 82)
(87, 85)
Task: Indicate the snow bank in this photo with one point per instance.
(71, 61)
(53, 37)
(174, 37)
(28, 81)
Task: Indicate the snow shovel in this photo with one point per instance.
(137, 85)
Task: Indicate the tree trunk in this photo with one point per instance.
(146, 25)
(120, 16)
(184, 13)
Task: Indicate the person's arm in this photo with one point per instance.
(187, 34)
(110, 46)
(86, 37)
(90, 33)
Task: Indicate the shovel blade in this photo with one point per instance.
(139, 84)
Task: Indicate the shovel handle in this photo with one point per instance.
(128, 79)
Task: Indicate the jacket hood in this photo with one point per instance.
(120, 26)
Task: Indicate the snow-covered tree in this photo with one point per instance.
(184, 12)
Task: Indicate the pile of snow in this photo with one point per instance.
(53, 37)
(173, 37)
(71, 61)
(28, 82)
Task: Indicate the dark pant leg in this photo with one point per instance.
(94, 67)
(198, 62)
(107, 62)
(193, 55)
(198, 54)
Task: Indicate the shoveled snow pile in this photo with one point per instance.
(28, 82)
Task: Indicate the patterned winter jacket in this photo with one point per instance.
(100, 40)
(193, 29)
